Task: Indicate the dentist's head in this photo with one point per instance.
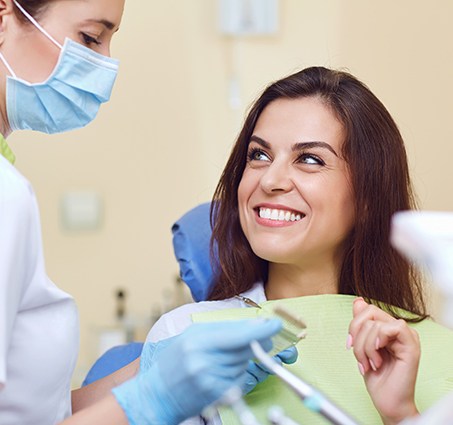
(55, 66)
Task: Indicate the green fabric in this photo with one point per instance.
(325, 362)
(6, 151)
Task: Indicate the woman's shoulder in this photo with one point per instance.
(177, 320)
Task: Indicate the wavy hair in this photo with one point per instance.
(375, 152)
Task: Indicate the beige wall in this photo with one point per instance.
(159, 146)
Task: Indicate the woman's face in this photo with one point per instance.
(88, 22)
(295, 199)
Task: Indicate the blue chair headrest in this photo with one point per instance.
(112, 360)
(191, 239)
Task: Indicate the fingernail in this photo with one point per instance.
(372, 365)
(378, 343)
(359, 299)
(349, 342)
(361, 369)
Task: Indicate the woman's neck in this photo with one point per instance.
(288, 281)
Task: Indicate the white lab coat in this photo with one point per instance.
(39, 330)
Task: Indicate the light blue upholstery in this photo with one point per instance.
(191, 239)
(112, 360)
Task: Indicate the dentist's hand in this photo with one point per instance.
(388, 353)
(190, 371)
(257, 373)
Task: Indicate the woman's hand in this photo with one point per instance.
(388, 354)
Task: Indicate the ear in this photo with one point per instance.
(6, 12)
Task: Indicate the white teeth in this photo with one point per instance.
(279, 215)
(265, 213)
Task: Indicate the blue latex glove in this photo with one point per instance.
(257, 373)
(193, 370)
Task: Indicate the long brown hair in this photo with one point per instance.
(374, 150)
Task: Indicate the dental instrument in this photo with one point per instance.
(293, 329)
(312, 398)
(233, 398)
(292, 332)
(277, 416)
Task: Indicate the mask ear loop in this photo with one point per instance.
(10, 70)
(37, 25)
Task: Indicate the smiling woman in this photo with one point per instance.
(297, 172)
(341, 162)
(303, 209)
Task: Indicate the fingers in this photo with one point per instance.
(258, 330)
(376, 336)
(358, 306)
(367, 347)
(223, 347)
(362, 312)
(258, 371)
(288, 356)
(237, 335)
(363, 333)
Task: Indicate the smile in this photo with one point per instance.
(279, 215)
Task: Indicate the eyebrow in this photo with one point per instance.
(109, 25)
(297, 146)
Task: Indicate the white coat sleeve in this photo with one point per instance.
(16, 253)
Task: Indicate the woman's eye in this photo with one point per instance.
(310, 159)
(88, 40)
(257, 155)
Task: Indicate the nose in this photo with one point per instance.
(277, 178)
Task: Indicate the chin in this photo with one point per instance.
(272, 255)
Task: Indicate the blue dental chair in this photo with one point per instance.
(191, 239)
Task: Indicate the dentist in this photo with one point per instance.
(55, 72)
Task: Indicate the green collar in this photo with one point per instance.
(6, 151)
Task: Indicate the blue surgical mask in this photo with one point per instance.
(70, 98)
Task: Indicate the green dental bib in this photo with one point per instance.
(325, 363)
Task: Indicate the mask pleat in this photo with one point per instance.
(70, 98)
